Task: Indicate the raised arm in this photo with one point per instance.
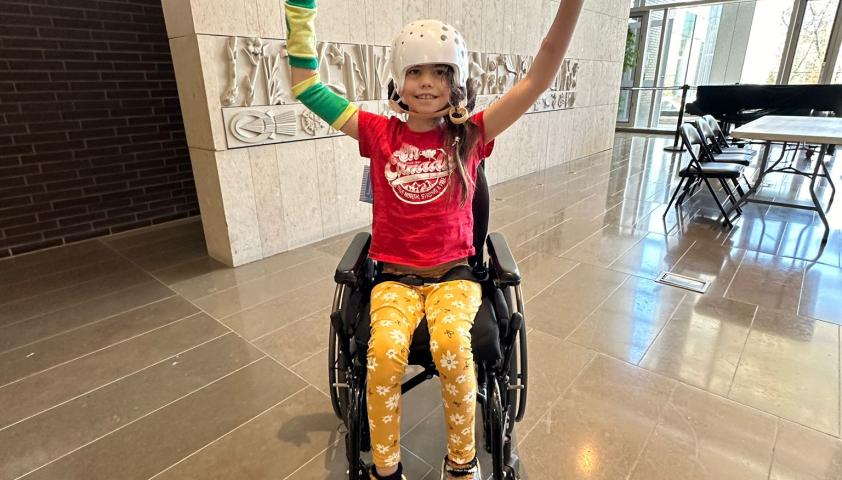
(504, 112)
(304, 63)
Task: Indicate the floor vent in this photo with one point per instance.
(681, 281)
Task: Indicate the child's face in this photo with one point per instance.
(426, 88)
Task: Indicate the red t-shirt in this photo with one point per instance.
(417, 217)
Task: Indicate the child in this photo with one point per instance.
(423, 172)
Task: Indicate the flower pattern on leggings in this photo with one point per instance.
(396, 311)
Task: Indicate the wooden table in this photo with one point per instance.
(822, 131)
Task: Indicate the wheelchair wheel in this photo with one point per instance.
(483, 402)
(498, 420)
(496, 429)
(510, 396)
(336, 375)
(521, 373)
(356, 436)
(518, 369)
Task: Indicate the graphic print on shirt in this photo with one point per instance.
(419, 176)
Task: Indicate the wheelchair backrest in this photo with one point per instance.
(481, 209)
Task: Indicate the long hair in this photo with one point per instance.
(460, 139)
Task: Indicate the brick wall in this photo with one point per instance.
(91, 136)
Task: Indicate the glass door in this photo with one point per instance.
(649, 65)
(632, 60)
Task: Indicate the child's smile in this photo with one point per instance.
(426, 88)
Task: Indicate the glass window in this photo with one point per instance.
(765, 47)
(808, 63)
(718, 44)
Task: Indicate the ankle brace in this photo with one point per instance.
(395, 476)
(460, 470)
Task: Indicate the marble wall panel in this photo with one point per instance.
(532, 34)
(270, 19)
(326, 186)
(192, 96)
(385, 21)
(612, 8)
(618, 8)
(557, 138)
(512, 17)
(505, 146)
(547, 18)
(540, 161)
(215, 66)
(334, 21)
(493, 20)
(454, 15)
(521, 142)
(599, 82)
(210, 204)
(584, 37)
(438, 10)
(178, 18)
(250, 18)
(554, 131)
(611, 84)
(349, 168)
(472, 25)
(607, 128)
(414, 10)
(621, 26)
(528, 142)
(238, 197)
(491, 171)
(585, 85)
(269, 201)
(302, 204)
(603, 131)
(581, 118)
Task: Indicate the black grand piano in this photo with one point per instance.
(739, 104)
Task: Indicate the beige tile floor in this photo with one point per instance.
(136, 356)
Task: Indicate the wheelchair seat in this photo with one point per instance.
(491, 318)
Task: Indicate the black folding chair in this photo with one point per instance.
(722, 139)
(711, 152)
(697, 172)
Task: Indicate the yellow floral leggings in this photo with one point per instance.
(396, 311)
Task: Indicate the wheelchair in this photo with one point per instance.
(498, 341)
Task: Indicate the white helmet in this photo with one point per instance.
(426, 42)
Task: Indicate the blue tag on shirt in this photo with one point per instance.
(366, 192)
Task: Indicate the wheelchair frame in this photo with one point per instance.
(501, 385)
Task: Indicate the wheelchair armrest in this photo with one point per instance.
(503, 260)
(350, 267)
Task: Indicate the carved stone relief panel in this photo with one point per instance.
(260, 125)
(258, 107)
